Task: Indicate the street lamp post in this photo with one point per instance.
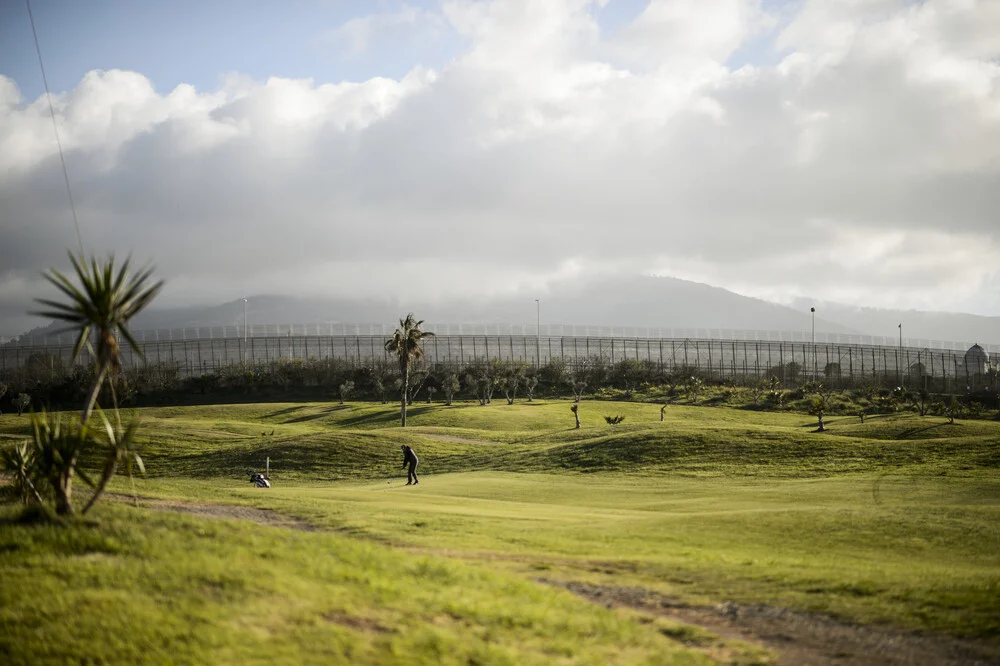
(899, 370)
(244, 331)
(538, 329)
(812, 314)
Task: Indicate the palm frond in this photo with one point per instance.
(102, 298)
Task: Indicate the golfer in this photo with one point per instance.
(410, 458)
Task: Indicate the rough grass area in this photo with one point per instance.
(145, 587)
(894, 522)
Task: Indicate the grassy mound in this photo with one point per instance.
(326, 442)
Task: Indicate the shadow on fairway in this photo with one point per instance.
(316, 415)
(283, 412)
(906, 434)
(387, 417)
(543, 435)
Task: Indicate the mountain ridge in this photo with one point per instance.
(662, 303)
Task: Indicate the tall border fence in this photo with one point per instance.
(741, 360)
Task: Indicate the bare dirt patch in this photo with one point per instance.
(267, 517)
(797, 637)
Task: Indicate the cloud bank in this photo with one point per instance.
(861, 163)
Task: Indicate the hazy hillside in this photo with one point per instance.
(916, 323)
(653, 302)
(638, 302)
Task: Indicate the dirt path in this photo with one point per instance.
(267, 517)
(800, 638)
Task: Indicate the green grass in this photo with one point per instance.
(895, 521)
(156, 588)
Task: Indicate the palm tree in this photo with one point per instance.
(405, 343)
(102, 305)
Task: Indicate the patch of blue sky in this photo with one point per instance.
(760, 50)
(197, 42)
(617, 14)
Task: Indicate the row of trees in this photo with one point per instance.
(323, 379)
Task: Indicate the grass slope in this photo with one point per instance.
(891, 521)
(159, 588)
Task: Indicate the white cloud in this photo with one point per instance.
(869, 156)
(358, 36)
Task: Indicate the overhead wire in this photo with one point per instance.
(55, 128)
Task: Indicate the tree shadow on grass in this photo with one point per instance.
(383, 418)
(283, 412)
(543, 435)
(317, 415)
(906, 434)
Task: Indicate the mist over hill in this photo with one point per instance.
(916, 323)
(663, 305)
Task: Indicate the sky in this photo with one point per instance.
(843, 150)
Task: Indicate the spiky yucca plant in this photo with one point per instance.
(98, 310)
(100, 307)
(121, 450)
(57, 445)
(18, 460)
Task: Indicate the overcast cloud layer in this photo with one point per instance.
(861, 164)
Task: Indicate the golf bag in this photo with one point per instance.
(258, 480)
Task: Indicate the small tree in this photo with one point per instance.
(832, 371)
(431, 390)
(663, 411)
(346, 389)
(510, 384)
(900, 396)
(693, 387)
(382, 389)
(628, 371)
(21, 402)
(817, 407)
(575, 408)
(382, 376)
(578, 389)
(819, 402)
(477, 383)
(921, 401)
(953, 409)
(490, 380)
(450, 386)
(792, 371)
(417, 380)
(482, 384)
(530, 384)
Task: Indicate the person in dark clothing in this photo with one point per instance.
(410, 458)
